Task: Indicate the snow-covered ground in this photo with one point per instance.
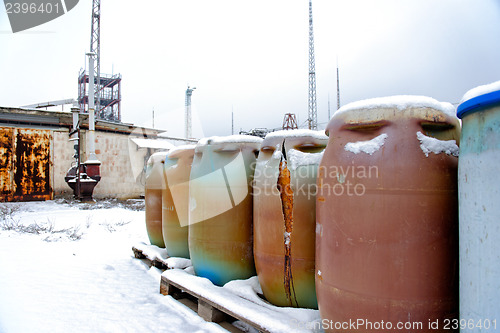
(64, 269)
(67, 266)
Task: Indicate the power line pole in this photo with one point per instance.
(329, 107)
(312, 107)
(290, 121)
(95, 48)
(338, 85)
(232, 121)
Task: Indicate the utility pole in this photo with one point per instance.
(338, 85)
(95, 48)
(188, 125)
(312, 107)
(329, 107)
(290, 121)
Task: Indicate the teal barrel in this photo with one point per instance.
(175, 200)
(220, 208)
(479, 208)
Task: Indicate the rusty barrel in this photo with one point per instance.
(175, 204)
(479, 207)
(220, 208)
(387, 217)
(285, 216)
(155, 183)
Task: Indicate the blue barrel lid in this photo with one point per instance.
(477, 102)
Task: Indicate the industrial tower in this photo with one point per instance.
(106, 87)
(95, 48)
(338, 86)
(312, 117)
(290, 121)
(189, 93)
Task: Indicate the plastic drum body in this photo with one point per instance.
(387, 214)
(221, 208)
(284, 239)
(479, 208)
(175, 204)
(155, 183)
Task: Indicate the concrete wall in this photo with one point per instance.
(62, 158)
(122, 165)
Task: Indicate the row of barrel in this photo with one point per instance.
(362, 223)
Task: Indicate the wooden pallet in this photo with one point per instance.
(218, 304)
(141, 252)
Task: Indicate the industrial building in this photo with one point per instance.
(36, 154)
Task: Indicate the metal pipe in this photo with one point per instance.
(77, 173)
(76, 113)
(91, 135)
(75, 137)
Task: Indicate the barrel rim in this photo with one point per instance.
(475, 103)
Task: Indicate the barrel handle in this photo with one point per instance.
(439, 130)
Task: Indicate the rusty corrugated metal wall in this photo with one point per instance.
(6, 152)
(25, 164)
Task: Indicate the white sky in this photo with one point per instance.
(252, 56)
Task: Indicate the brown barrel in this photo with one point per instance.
(155, 183)
(285, 216)
(176, 200)
(387, 229)
(220, 208)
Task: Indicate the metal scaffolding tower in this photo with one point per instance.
(107, 88)
(110, 96)
(189, 93)
(312, 118)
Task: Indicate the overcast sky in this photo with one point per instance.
(251, 57)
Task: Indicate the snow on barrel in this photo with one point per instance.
(285, 216)
(387, 215)
(220, 207)
(479, 198)
(155, 183)
(175, 204)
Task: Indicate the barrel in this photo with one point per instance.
(479, 208)
(175, 204)
(220, 208)
(285, 216)
(155, 183)
(387, 217)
